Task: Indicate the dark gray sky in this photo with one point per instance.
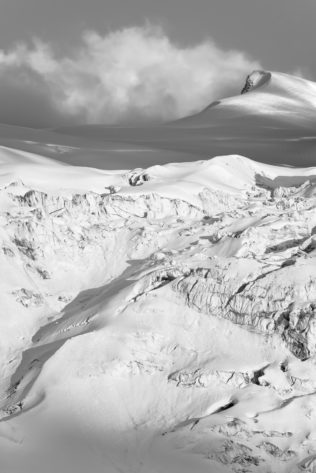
(278, 34)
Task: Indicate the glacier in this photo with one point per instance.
(157, 318)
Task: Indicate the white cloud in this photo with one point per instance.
(130, 74)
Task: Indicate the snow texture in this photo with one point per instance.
(159, 319)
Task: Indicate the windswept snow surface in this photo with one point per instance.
(160, 319)
(272, 121)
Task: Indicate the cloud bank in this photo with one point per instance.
(133, 74)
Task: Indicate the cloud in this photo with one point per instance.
(133, 74)
(303, 73)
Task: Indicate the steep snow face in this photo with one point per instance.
(159, 319)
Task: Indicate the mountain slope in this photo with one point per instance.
(274, 122)
(157, 319)
(272, 97)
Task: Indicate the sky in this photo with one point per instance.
(111, 61)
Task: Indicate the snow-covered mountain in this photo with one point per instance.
(160, 319)
(272, 98)
(274, 122)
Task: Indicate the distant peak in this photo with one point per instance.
(256, 79)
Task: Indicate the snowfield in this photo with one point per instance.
(272, 121)
(158, 319)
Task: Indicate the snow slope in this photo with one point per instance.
(274, 122)
(157, 319)
(282, 99)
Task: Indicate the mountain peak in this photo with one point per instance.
(256, 79)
